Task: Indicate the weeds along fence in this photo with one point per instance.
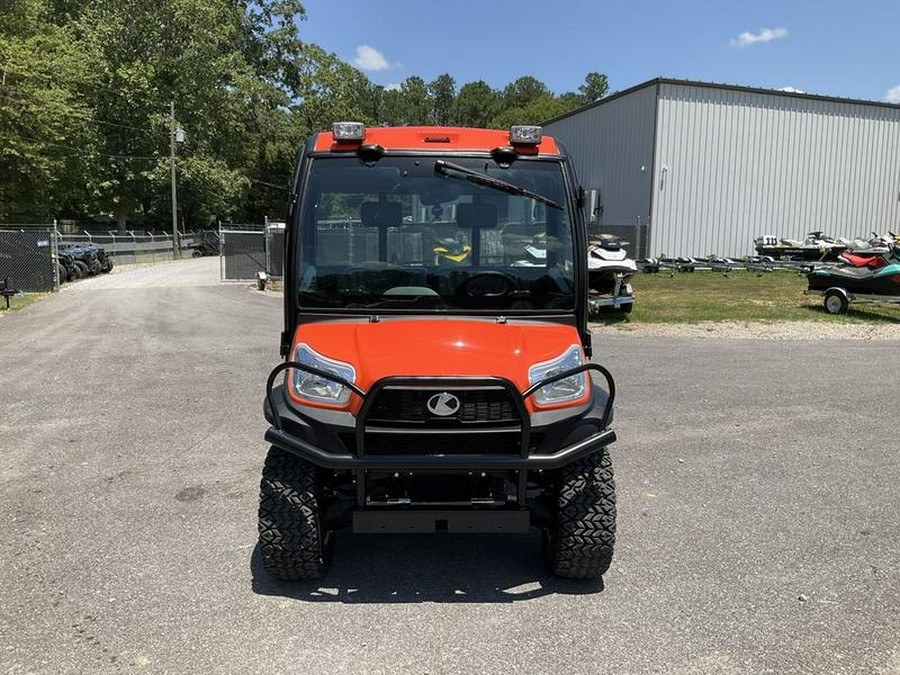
(29, 254)
(245, 250)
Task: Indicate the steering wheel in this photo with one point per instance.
(491, 284)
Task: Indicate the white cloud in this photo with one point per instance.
(395, 86)
(747, 38)
(893, 95)
(369, 58)
(792, 90)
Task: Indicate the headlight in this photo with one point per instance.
(315, 388)
(569, 389)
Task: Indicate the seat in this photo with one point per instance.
(476, 215)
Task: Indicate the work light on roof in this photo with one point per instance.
(348, 131)
(525, 135)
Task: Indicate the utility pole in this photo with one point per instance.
(176, 249)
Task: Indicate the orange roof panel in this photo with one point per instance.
(438, 139)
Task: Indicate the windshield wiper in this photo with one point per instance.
(462, 173)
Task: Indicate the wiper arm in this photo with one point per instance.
(462, 173)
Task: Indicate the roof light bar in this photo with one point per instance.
(348, 132)
(525, 135)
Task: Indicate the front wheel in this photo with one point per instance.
(292, 541)
(579, 545)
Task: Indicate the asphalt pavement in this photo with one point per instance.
(759, 525)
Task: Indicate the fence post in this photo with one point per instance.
(266, 244)
(221, 254)
(54, 255)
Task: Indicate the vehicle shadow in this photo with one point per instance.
(858, 311)
(427, 568)
(610, 317)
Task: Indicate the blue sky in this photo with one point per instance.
(831, 47)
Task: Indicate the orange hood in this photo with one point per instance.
(438, 347)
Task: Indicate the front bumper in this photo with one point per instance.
(547, 440)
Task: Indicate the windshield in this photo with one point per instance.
(419, 233)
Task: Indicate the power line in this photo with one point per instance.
(80, 117)
(89, 153)
(47, 78)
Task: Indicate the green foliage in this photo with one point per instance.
(86, 85)
(595, 87)
(442, 95)
(477, 104)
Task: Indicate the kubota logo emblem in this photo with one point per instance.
(443, 404)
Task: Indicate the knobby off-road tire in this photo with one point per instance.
(580, 544)
(292, 541)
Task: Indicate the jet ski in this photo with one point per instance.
(816, 246)
(873, 253)
(875, 278)
(609, 269)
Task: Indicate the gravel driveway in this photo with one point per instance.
(759, 525)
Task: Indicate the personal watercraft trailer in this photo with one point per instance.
(609, 271)
(869, 278)
(421, 394)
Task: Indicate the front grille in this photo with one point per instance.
(409, 406)
(504, 443)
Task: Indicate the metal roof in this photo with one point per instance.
(717, 85)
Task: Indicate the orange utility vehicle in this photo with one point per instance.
(436, 374)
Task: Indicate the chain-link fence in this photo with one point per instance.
(246, 250)
(37, 258)
(28, 258)
(134, 246)
(242, 250)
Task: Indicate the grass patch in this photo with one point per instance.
(19, 301)
(692, 297)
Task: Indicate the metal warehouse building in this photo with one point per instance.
(688, 168)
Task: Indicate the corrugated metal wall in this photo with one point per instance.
(612, 149)
(732, 165)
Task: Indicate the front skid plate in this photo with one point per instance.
(378, 521)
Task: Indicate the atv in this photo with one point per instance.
(68, 270)
(206, 244)
(427, 391)
(86, 258)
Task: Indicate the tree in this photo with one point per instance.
(48, 136)
(85, 88)
(523, 91)
(415, 101)
(442, 93)
(594, 88)
(476, 104)
(537, 111)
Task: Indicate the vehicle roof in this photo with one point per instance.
(435, 139)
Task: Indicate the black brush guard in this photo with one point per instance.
(362, 461)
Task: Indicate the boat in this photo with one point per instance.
(816, 246)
